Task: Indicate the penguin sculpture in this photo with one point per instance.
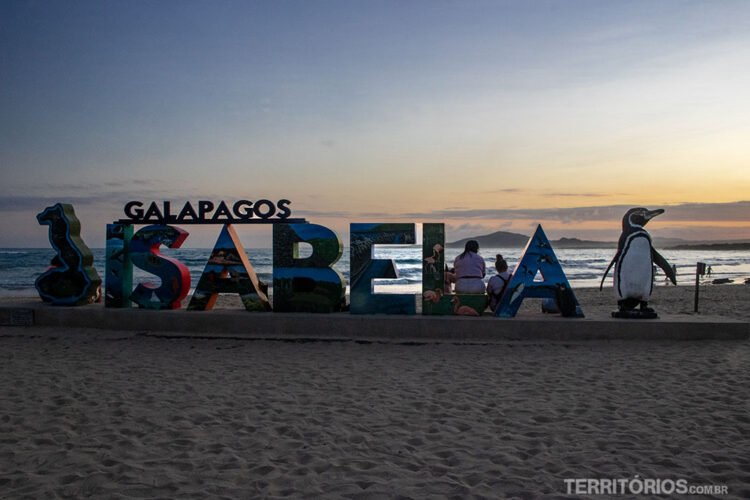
(634, 266)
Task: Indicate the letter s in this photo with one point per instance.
(284, 211)
(175, 276)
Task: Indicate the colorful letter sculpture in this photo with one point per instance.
(175, 276)
(71, 280)
(363, 268)
(538, 257)
(228, 270)
(118, 268)
(306, 284)
(434, 299)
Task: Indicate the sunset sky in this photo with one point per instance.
(486, 115)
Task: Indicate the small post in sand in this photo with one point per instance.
(700, 270)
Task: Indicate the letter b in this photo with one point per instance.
(306, 284)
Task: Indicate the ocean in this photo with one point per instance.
(19, 267)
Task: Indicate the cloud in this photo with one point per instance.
(39, 203)
(466, 227)
(506, 191)
(597, 213)
(328, 214)
(107, 194)
(736, 211)
(88, 187)
(581, 195)
(685, 212)
(549, 193)
(80, 194)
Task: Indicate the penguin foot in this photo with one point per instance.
(634, 314)
(627, 309)
(627, 304)
(645, 308)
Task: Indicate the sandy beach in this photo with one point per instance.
(729, 301)
(104, 414)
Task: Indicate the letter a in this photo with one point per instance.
(228, 270)
(538, 257)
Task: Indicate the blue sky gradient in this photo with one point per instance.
(395, 109)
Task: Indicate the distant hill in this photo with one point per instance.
(660, 242)
(506, 239)
(576, 243)
(496, 239)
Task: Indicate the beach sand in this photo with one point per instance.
(729, 301)
(103, 414)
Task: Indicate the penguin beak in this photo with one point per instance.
(650, 214)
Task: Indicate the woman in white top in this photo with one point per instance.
(470, 270)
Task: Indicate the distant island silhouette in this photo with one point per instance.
(507, 239)
(500, 239)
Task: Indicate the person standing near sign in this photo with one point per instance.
(470, 269)
(498, 283)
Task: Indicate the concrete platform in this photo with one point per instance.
(226, 323)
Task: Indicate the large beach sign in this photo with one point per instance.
(300, 284)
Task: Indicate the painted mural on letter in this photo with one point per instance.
(539, 259)
(364, 269)
(435, 299)
(307, 284)
(118, 269)
(228, 270)
(71, 279)
(174, 275)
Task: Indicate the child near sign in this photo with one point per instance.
(498, 283)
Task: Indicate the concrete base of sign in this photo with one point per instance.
(376, 328)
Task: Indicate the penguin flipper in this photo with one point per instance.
(660, 261)
(614, 259)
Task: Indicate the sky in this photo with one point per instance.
(484, 115)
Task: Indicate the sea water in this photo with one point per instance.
(19, 267)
